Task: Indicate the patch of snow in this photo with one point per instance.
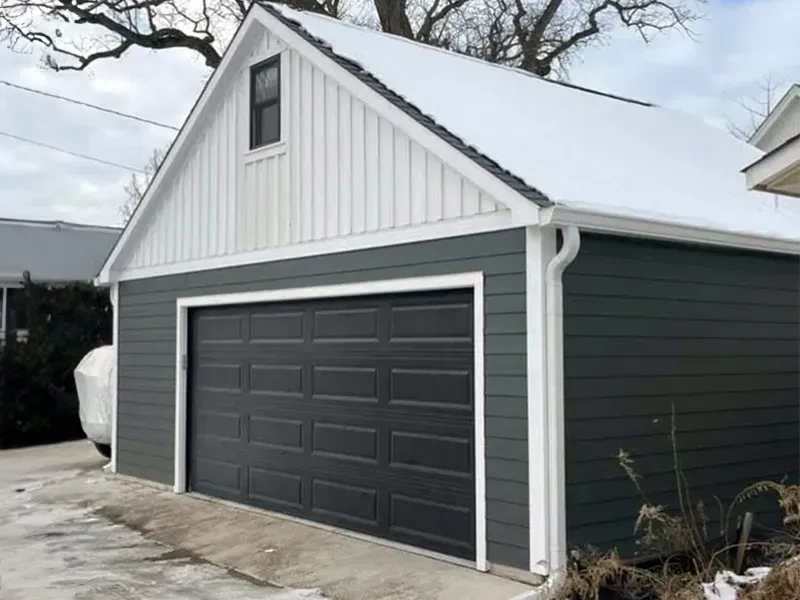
(727, 585)
(585, 150)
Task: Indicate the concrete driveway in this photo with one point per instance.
(57, 548)
(69, 531)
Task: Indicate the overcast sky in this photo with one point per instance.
(740, 42)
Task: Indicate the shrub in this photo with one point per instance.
(38, 402)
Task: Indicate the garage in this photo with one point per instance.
(356, 412)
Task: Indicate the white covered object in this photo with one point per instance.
(94, 379)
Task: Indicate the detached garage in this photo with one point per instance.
(352, 298)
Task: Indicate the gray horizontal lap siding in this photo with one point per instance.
(650, 325)
(147, 356)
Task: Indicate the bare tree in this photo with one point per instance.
(757, 107)
(137, 186)
(540, 36)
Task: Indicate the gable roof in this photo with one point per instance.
(776, 114)
(582, 149)
(53, 250)
(560, 146)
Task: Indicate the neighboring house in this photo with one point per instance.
(342, 299)
(51, 252)
(778, 171)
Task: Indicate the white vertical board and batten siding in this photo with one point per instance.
(341, 170)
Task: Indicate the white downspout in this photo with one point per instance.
(554, 343)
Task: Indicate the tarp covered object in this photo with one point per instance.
(94, 379)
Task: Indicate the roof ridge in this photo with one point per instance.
(57, 224)
(281, 7)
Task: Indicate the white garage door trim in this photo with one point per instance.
(472, 280)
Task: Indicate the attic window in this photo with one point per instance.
(265, 103)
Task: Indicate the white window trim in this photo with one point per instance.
(472, 280)
(4, 311)
(279, 147)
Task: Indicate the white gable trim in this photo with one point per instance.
(774, 117)
(180, 145)
(523, 211)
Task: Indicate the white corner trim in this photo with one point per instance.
(472, 280)
(114, 295)
(539, 250)
(402, 235)
(557, 510)
(524, 209)
(480, 425)
(644, 228)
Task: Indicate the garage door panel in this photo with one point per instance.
(218, 329)
(352, 324)
(276, 487)
(276, 432)
(432, 387)
(227, 426)
(218, 377)
(277, 327)
(357, 412)
(431, 453)
(444, 524)
(431, 323)
(345, 502)
(346, 442)
(276, 378)
(218, 473)
(344, 382)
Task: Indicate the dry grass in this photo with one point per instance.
(681, 537)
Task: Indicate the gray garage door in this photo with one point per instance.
(356, 412)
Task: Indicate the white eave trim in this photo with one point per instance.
(762, 174)
(483, 223)
(638, 227)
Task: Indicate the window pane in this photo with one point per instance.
(266, 83)
(268, 123)
(17, 315)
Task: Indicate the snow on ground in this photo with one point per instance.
(728, 585)
(59, 551)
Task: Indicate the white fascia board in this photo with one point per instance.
(763, 173)
(180, 146)
(404, 235)
(638, 227)
(783, 105)
(525, 211)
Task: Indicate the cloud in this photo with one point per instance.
(739, 42)
(42, 184)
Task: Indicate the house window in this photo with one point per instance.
(16, 309)
(265, 103)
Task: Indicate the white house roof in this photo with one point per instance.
(53, 250)
(581, 149)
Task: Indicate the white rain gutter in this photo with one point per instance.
(554, 344)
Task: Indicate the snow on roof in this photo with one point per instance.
(582, 149)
